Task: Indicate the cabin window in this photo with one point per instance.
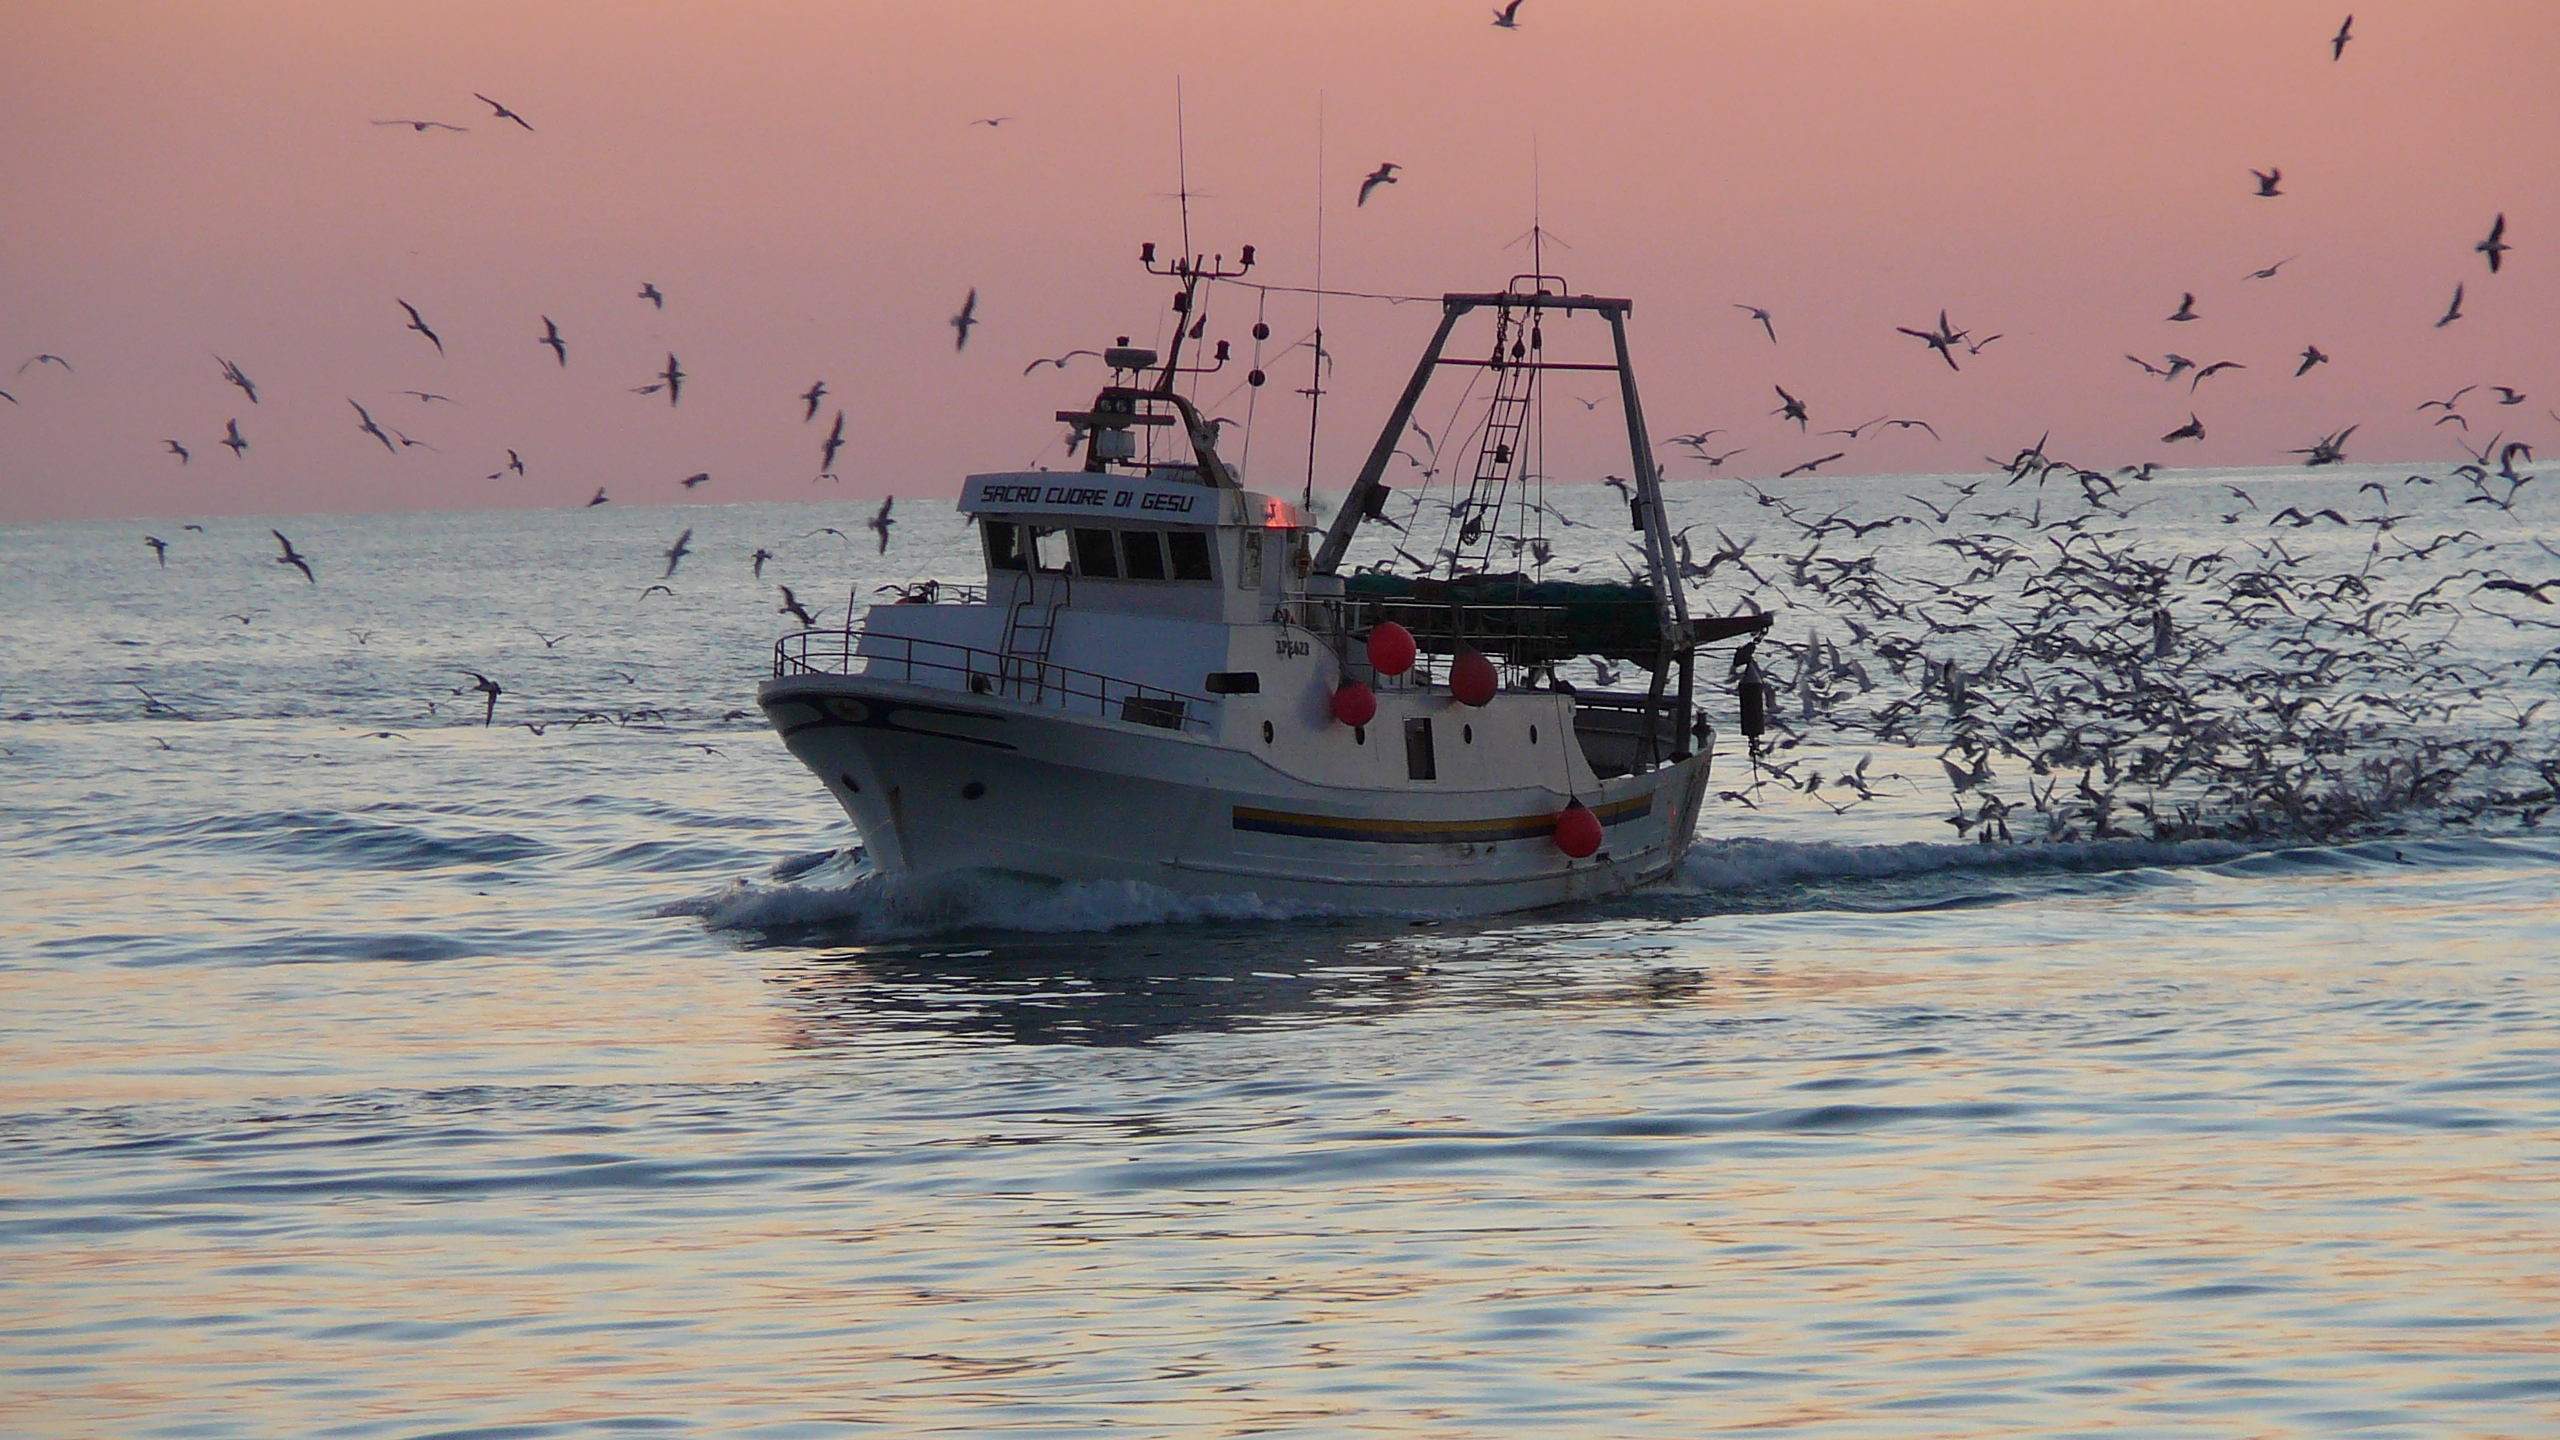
(1004, 545)
(1095, 557)
(1143, 553)
(1248, 559)
(1419, 762)
(1049, 549)
(1189, 550)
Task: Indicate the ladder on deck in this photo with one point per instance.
(1498, 459)
(1029, 628)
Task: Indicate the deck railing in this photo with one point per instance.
(946, 666)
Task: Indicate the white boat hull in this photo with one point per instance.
(940, 780)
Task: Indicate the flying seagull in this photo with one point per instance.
(293, 557)
(1789, 407)
(792, 607)
(2215, 368)
(2270, 272)
(834, 443)
(967, 318)
(2192, 430)
(233, 374)
(515, 462)
(697, 478)
(649, 292)
(1508, 17)
(1810, 466)
(423, 126)
(503, 113)
(66, 365)
(231, 439)
(672, 379)
(419, 324)
(813, 395)
(881, 522)
(2327, 450)
(177, 449)
(599, 499)
(1385, 174)
(2495, 247)
(992, 121)
(758, 558)
(1943, 340)
(2267, 183)
(2311, 355)
(677, 552)
(2338, 42)
(1762, 316)
(2453, 311)
(159, 547)
(490, 688)
(551, 337)
(1059, 360)
(372, 429)
(2186, 307)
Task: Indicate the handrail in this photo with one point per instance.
(947, 666)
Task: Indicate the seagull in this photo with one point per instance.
(231, 438)
(1810, 466)
(177, 449)
(233, 374)
(2267, 183)
(1762, 316)
(1789, 407)
(2270, 272)
(694, 479)
(293, 557)
(2327, 450)
(673, 378)
(551, 337)
(1058, 360)
(1508, 17)
(649, 292)
(1385, 174)
(2218, 365)
(419, 324)
(2192, 430)
(2186, 308)
(503, 112)
(2509, 395)
(548, 641)
(792, 607)
(2495, 247)
(666, 590)
(2448, 402)
(992, 121)
(599, 498)
(1913, 424)
(880, 523)
(2338, 42)
(66, 365)
(967, 318)
(372, 429)
(1943, 340)
(834, 443)
(677, 552)
(515, 462)
(5, 395)
(159, 547)
(2311, 355)
(427, 396)
(2147, 367)
(423, 126)
(1975, 347)
(2453, 311)
(761, 556)
(816, 393)
(490, 688)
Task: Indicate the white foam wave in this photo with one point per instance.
(1752, 864)
(875, 906)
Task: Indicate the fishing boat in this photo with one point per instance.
(1168, 678)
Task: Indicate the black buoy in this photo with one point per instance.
(1752, 690)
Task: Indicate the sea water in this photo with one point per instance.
(366, 1070)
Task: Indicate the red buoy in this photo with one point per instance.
(1391, 648)
(1471, 678)
(1578, 831)
(1355, 704)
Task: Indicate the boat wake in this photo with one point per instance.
(841, 900)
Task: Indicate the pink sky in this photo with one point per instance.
(804, 184)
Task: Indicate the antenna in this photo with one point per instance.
(1315, 363)
(1182, 167)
